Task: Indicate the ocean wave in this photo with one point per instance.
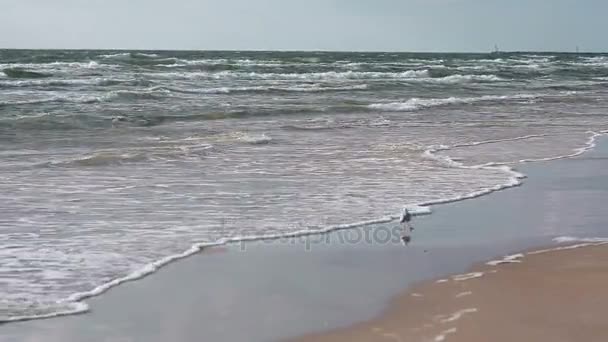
(418, 103)
(588, 146)
(571, 242)
(28, 102)
(104, 159)
(597, 59)
(144, 55)
(236, 64)
(138, 58)
(22, 73)
(68, 82)
(598, 64)
(47, 121)
(420, 76)
(150, 94)
(237, 113)
(454, 79)
(174, 150)
(55, 65)
(45, 83)
(38, 310)
(116, 55)
(312, 88)
(50, 121)
(330, 75)
(229, 63)
(83, 99)
(121, 55)
(81, 121)
(312, 127)
(252, 139)
(570, 239)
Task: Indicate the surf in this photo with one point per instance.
(22, 73)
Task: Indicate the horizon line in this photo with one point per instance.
(310, 50)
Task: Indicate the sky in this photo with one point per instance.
(351, 25)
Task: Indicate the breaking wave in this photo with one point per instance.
(312, 88)
(418, 103)
(22, 73)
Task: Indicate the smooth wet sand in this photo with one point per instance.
(272, 291)
(549, 297)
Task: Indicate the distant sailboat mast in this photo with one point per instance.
(496, 50)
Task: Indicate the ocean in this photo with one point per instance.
(114, 163)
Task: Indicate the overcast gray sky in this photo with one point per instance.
(389, 25)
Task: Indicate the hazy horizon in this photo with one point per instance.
(309, 51)
(331, 25)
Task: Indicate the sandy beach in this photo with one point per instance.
(557, 295)
(278, 290)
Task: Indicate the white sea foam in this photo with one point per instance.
(98, 81)
(149, 55)
(494, 141)
(88, 99)
(444, 334)
(516, 177)
(454, 79)
(124, 55)
(468, 276)
(595, 59)
(115, 55)
(179, 63)
(417, 103)
(570, 239)
(330, 75)
(117, 157)
(260, 139)
(67, 309)
(589, 145)
(509, 259)
(421, 75)
(313, 88)
(56, 66)
(60, 98)
(514, 180)
(458, 315)
(463, 294)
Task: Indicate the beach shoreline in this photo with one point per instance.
(555, 294)
(271, 275)
(78, 306)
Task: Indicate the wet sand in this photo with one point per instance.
(552, 296)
